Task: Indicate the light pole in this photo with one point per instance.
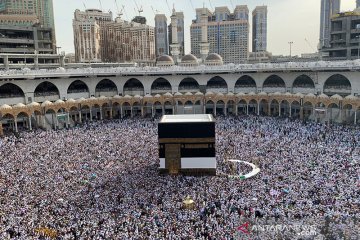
(290, 43)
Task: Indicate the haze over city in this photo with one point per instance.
(288, 20)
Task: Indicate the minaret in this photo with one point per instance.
(204, 45)
(175, 47)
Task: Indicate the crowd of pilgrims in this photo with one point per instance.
(101, 181)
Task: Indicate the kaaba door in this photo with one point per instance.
(172, 158)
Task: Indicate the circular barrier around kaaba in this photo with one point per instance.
(255, 170)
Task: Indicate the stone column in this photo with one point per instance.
(68, 120)
(15, 124)
(121, 111)
(279, 109)
(215, 109)
(269, 109)
(301, 112)
(91, 116)
(355, 120)
(101, 113)
(111, 112)
(290, 110)
(258, 108)
(30, 127)
(1, 129)
(80, 117)
(131, 111)
(236, 109)
(6, 62)
(225, 109)
(152, 110)
(247, 109)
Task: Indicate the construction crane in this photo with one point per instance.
(310, 45)
(232, 4)
(140, 10)
(100, 5)
(155, 11)
(168, 6)
(119, 12)
(192, 5)
(211, 5)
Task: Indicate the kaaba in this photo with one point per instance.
(187, 144)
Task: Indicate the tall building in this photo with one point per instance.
(128, 42)
(42, 9)
(88, 35)
(180, 32)
(227, 33)
(357, 3)
(345, 41)
(28, 13)
(161, 35)
(259, 29)
(328, 8)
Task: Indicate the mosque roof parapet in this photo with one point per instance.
(272, 67)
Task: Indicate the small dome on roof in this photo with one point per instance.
(59, 101)
(199, 94)
(147, 96)
(137, 96)
(70, 100)
(157, 96)
(230, 94)
(351, 97)
(299, 95)
(336, 96)
(168, 94)
(251, 93)
(240, 94)
(103, 97)
(127, 96)
(189, 60)
(188, 94)
(46, 103)
(19, 105)
(263, 94)
(310, 95)
(189, 57)
(33, 104)
(117, 97)
(80, 100)
(92, 98)
(220, 94)
(288, 94)
(164, 60)
(323, 96)
(209, 93)
(178, 94)
(214, 59)
(5, 107)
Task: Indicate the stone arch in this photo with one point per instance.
(245, 84)
(337, 84)
(46, 91)
(242, 106)
(209, 108)
(107, 88)
(78, 89)
(10, 90)
(189, 85)
(133, 87)
(217, 84)
(274, 83)
(303, 84)
(160, 85)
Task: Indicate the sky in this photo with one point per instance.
(288, 20)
